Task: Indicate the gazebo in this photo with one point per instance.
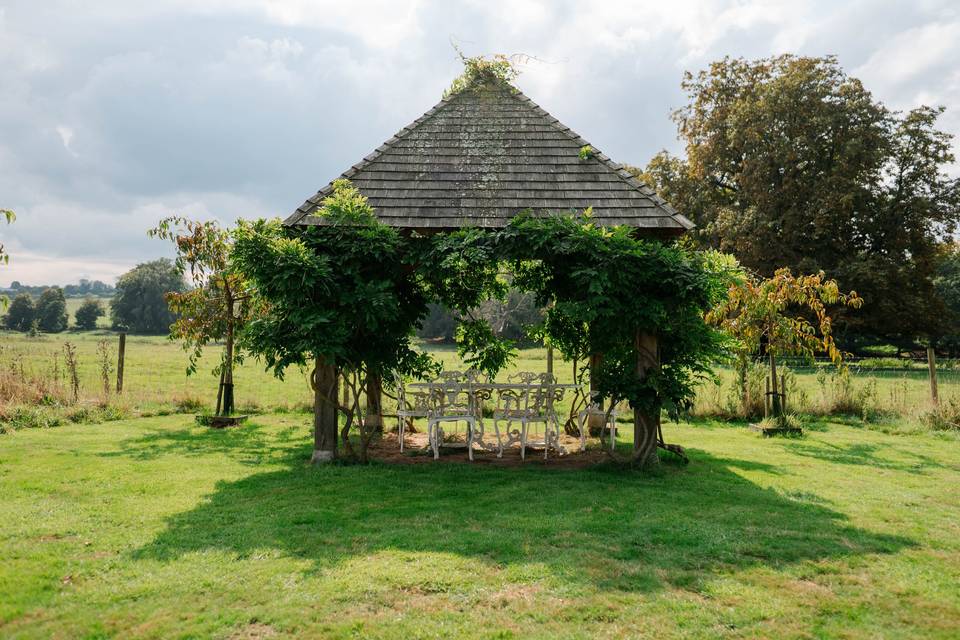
(484, 154)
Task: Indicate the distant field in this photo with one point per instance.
(155, 375)
(74, 303)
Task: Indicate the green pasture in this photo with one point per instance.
(157, 528)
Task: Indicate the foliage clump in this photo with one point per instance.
(790, 162)
(218, 305)
(139, 304)
(88, 313)
(496, 70)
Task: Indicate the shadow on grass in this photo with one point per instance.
(864, 455)
(249, 443)
(612, 528)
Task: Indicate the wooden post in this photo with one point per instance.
(121, 352)
(766, 398)
(775, 392)
(595, 419)
(783, 393)
(550, 358)
(325, 382)
(646, 423)
(932, 365)
(374, 414)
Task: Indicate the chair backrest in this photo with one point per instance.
(451, 376)
(511, 401)
(451, 399)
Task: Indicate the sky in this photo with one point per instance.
(115, 114)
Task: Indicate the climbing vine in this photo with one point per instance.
(351, 291)
(497, 69)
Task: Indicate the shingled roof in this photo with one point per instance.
(486, 153)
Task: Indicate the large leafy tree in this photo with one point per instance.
(339, 296)
(139, 304)
(218, 305)
(52, 311)
(792, 163)
(21, 314)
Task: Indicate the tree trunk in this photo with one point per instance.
(374, 415)
(775, 407)
(324, 382)
(646, 422)
(595, 420)
(227, 383)
(744, 388)
(932, 366)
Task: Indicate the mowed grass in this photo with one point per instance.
(157, 528)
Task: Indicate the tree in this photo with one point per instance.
(52, 311)
(772, 314)
(218, 306)
(947, 286)
(790, 162)
(9, 216)
(139, 305)
(339, 296)
(87, 314)
(21, 314)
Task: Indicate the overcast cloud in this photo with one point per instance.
(113, 114)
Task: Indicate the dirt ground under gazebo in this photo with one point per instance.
(416, 450)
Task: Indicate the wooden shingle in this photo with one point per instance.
(481, 156)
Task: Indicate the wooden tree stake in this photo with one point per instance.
(121, 352)
(932, 365)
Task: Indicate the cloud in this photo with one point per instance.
(114, 114)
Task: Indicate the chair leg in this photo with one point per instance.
(496, 430)
(523, 439)
(471, 426)
(433, 431)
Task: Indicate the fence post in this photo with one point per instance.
(783, 392)
(121, 351)
(550, 358)
(932, 364)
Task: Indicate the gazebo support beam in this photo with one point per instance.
(596, 420)
(646, 422)
(325, 382)
(374, 413)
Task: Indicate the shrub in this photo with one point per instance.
(52, 311)
(21, 313)
(88, 313)
(944, 417)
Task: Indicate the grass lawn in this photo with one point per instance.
(157, 528)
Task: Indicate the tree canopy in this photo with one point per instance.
(52, 311)
(792, 163)
(21, 313)
(87, 314)
(139, 305)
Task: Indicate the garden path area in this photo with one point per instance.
(157, 528)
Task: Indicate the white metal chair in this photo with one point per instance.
(511, 407)
(410, 405)
(609, 423)
(451, 402)
(540, 408)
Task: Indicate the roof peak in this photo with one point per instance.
(473, 161)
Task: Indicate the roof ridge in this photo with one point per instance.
(298, 215)
(604, 159)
